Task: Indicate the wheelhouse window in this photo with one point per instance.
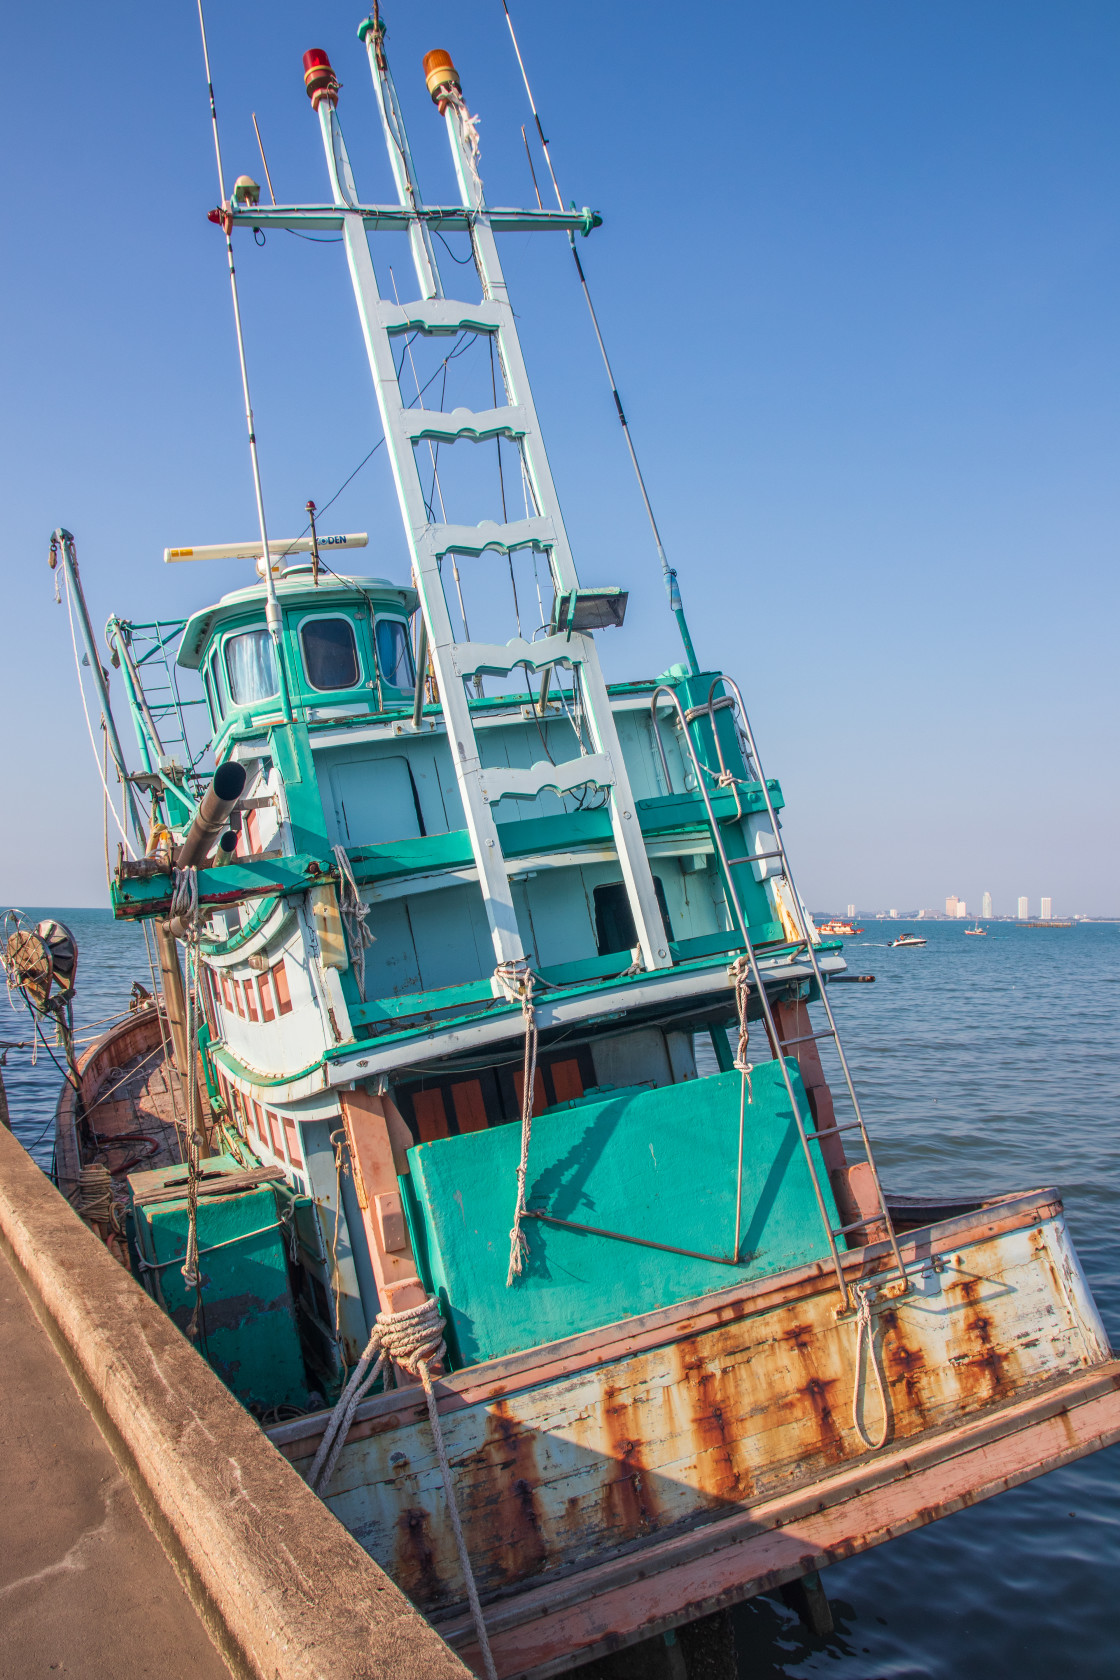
(394, 654)
(330, 653)
(251, 667)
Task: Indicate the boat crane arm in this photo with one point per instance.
(400, 218)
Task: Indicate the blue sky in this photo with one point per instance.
(858, 277)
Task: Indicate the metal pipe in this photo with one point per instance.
(62, 546)
(213, 814)
(175, 1000)
(421, 672)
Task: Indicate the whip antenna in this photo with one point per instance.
(668, 572)
(221, 216)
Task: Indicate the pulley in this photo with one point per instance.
(43, 962)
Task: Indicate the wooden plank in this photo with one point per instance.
(550, 1629)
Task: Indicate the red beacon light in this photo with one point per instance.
(318, 77)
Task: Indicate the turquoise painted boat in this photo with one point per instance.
(497, 1171)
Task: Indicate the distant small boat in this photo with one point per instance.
(976, 932)
(908, 939)
(836, 927)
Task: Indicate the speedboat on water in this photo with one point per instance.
(908, 939)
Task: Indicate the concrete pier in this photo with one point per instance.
(85, 1587)
(280, 1587)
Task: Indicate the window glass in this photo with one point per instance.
(394, 655)
(215, 685)
(330, 653)
(251, 667)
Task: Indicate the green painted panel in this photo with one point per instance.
(658, 1165)
(248, 1329)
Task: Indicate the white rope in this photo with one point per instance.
(865, 1332)
(93, 1195)
(740, 971)
(516, 980)
(412, 1339)
(354, 910)
(468, 127)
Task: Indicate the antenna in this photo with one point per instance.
(221, 217)
(668, 572)
(264, 160)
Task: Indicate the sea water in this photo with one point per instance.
(983, 1065)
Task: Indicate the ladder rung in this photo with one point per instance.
(479, 425)
(825, 1032)
(497, 783)
(861, 1224)
(758, 857)
(849, 1126)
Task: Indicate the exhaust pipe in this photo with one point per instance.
(213, 813)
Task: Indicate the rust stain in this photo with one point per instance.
(980, 1370)
(629, 1500)
(712, 1406)
(906, 1369)
(501, 1509)
(415, 1570)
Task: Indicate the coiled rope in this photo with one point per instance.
(93, 1196)
(865, 1333)
(412, 1339)
(516, 980)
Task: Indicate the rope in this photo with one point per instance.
(412, 1339)
(865, 1332)
(93, 1197)
(354, 910)
(740, 970)
(516, 980)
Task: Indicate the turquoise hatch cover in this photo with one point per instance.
(657, 1165)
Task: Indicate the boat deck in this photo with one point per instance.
(133, 1103)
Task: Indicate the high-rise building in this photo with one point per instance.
(1023, 911)
(851, 911)
(894, 915)
(962, 909)
(951, 904)
(1044, 909)
(986, 905)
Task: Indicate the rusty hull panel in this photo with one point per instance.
(565, 1473)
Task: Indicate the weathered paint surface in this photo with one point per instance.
(606, 1456)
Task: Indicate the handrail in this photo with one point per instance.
(834, 1031)
(768, 1015)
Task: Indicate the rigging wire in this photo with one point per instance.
(668, 572)
(89, 725)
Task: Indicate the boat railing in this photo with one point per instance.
(806, 1135)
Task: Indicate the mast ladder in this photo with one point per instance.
(458, 662)
(806, 1127)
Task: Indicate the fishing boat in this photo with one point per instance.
(491, 1159)
(907, 939)
(834, 928)
(976, 932)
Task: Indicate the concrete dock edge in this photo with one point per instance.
(284, 1590)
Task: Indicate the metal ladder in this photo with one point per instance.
(777, 854)
(455, 662)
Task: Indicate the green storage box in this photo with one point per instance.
(247, 1326)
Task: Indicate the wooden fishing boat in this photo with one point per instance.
(456, 915)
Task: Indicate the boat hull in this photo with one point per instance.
(624, 1455)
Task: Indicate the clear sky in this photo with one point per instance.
(858, 277)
